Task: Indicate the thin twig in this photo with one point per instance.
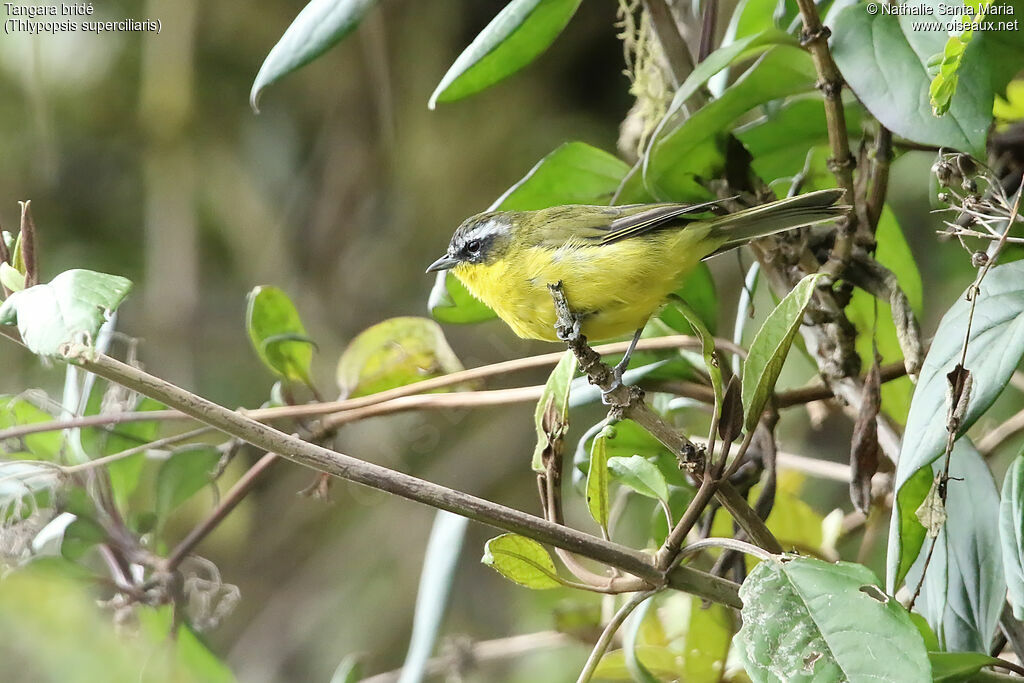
(311, 410)
(1003, 432)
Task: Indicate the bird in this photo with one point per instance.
(617, 265)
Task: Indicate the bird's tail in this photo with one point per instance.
(806, 209)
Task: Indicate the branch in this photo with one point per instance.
(830, 82)
(628, 402)
(404, 485)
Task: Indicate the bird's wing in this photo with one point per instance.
(655, 217)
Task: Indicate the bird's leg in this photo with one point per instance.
(619, 369)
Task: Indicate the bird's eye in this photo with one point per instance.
(473, 246)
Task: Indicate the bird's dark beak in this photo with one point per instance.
(443, 263)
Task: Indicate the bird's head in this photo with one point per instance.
(480, 239)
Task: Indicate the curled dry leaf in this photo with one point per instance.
(864, 447)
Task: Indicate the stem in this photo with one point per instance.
(372, 475)
(226, 505)
(830, 82)
(608, 633)
(728, 543)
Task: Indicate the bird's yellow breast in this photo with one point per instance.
(614, 288)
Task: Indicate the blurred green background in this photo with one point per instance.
(142, 157)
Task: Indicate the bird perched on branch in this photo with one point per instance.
(617, 264)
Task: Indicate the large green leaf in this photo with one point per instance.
(994, 350)
(769, 349)
(809, 620)
(965, 587)
(394, 353)
(1011, 534)
(685, 154)
(278, 335)
(886, 62)
(522, 560)
(574, 173)
(69, 308)
(319, 26)
(520, 32)
(779, 140)
(626, 438)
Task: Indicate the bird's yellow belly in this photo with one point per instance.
(614, 288)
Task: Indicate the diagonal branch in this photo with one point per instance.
(404, 485)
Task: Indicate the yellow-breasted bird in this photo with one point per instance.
(617, 264)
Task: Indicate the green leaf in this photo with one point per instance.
(574, 173)
(779, 140)
(685, 154)
(69, 308)
(952, 667)
(641, 475)
(277, 334)
(553, 404)
(697, 290)
(11, 277)
(944, 83)
(894, 253)
(707, 341)
(994, 350)
(521, 560)
(182, 475)
(181, 656)
(513, 39)
(708, 638)
(885, 61)
(805, 619)
(319, 26)
(964, 590)
(659, 660)
(125, 473)
(350, 670)
(769, 349)
(79, 536)
(1011, 534)
(16, 412)
(394, 353)
(740, 49)
(627, 438)
(597, 478)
